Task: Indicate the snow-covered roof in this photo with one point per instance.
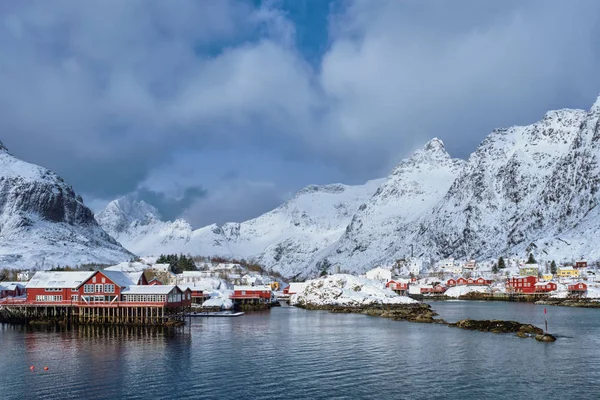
(121, 279)
(193, 273)
(192, 288)
(296, 287)
(59, 279)
(127, 267)
(12, 285)
(149, 289)
(247, 287)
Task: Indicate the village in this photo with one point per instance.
(147, 293)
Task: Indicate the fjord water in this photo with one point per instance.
(293, 353)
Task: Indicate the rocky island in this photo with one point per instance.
(343, 293)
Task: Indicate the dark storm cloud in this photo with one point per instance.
(110, 94)
(170, 208)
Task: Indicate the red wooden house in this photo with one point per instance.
(577, 289)
(461, 281)
(451, 282)
(198, 295)
(482, 281)
(397, 286)
(581, 264)
(168, 296)
(437, 289)
(56, 287)
(545, 287)
(154, 281)
(521, 284)
(11, 289)
(257, 294)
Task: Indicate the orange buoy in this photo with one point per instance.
(31, 368)
(46, 368)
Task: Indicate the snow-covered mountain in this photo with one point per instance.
(525, 188)
(383, 228)
(44, 223)
(285, 239)
(492, 206)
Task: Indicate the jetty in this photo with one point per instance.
(96, 297)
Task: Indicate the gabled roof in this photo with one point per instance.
(120, 279)
(59, 279)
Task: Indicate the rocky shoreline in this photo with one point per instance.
(583, 303)
(423, 313)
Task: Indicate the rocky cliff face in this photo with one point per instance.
(43, 222)
(491, 206)
(383, 228)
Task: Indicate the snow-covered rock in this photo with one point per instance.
(44, 223)
(347, 291)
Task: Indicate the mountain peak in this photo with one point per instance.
(595, 107)
(119, 213)
(435, 145)
(432, 150)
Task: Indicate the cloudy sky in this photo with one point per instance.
(219, 110)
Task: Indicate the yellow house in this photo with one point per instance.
(568, 272)
(547, 277)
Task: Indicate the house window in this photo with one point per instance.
(109, 288)
(99, 288)
(74, 297)
(88, 288)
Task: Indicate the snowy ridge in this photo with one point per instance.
(285, 238)
(44, 223)
(382, 229)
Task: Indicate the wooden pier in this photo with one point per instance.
(115, 313)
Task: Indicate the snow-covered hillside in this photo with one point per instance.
(44, 223)
(532, 188)
(382, 229)
(347, 291)
(285, 239)
(488, 206)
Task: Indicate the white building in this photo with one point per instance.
(161, 267)
(415, 267)
(379, 274)
(296, 287)
(24, 276)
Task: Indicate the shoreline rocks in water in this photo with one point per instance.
(417, 312)
(500, 326)
(570, 302)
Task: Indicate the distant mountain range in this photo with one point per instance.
(525, 189)
(44, 223)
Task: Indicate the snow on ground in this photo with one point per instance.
(218, 289)
(593, 291)
(223, 303)
(346, 290)
(457, 291)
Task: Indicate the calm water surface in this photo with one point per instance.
(293, 353)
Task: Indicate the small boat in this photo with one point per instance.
(215, 314)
